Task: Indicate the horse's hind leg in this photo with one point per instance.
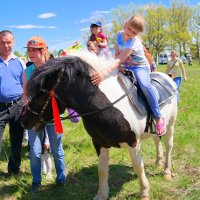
(169, 146)
(103, 190)
(159, 151)
(138, 167)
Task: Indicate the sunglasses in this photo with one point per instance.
(33, 42)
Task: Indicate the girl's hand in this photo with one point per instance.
(46, 146)
(97, 78)
(121, 69)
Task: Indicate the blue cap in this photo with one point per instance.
(97, 23)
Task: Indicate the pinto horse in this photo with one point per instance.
(110, 120)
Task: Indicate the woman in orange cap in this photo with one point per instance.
(37, 51)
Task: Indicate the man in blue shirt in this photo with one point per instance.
(11, 72)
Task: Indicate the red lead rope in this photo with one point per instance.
(56, 114)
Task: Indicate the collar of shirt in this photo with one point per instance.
(13, 56)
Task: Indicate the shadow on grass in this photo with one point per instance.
(14, 184)
(84, 184)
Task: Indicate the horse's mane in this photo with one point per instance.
(97, 63)
(85, 63)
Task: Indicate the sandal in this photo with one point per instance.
(161, 128)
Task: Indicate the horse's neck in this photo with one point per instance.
(84, 97)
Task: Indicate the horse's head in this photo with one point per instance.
(58, 76)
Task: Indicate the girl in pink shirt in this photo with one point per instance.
(101, 38)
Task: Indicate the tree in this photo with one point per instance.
(156, 33)
(195, 31)
(17, 53)
(179, 18)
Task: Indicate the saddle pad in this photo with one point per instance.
(163, 90)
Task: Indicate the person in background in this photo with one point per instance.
(92, 46)
(189, 58)
(175, 69)
(37, 51)
(46, 163)
(11, 105)
(150, 59)
(100, 37)
(129, 46)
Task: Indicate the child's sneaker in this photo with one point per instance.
(161, 128)
(49, 176)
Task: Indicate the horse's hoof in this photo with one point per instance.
(144, 198)
(99, 197)
(168, 177)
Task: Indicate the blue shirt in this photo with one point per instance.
(11, 79)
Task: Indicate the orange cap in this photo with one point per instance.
(36, 42)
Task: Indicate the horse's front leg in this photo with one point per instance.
(159, 151)
(103, 190)
(169, 146)
(138, 167)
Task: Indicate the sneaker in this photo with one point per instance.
(161, 128)
(49, 176)
(61, 182)
(35, 187)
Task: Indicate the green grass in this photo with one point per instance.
(81, 161)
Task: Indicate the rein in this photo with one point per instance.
(40, 115)
(100, 110)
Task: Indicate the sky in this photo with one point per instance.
(59, 22)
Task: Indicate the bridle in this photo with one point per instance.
(41, 113)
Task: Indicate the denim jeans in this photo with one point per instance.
(143, 78)
(11, 115)
(35, 142)
(178, 81)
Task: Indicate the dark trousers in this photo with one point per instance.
(11, 115)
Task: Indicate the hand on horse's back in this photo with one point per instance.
(96, 78)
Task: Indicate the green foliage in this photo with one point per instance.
(156, 34)
(81, 160)
(17, 53)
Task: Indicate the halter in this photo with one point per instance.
(41, 113)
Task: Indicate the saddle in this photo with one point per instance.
(162, 88)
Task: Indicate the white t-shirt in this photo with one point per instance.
(137, 57)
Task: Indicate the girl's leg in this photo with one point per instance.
(43, 163)
(143, 79)
(48, 165)
(58, 153)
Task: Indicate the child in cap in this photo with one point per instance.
(100, 37)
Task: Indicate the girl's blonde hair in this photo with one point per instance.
(137, 22)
